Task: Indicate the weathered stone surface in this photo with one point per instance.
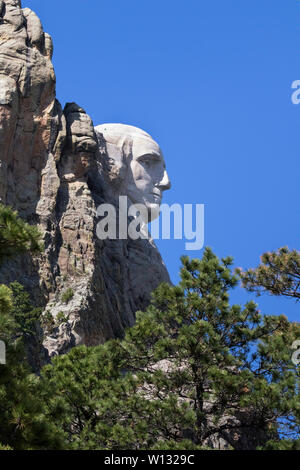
(53, 171)
(27, 105)
(111, 279)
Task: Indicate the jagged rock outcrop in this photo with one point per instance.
(50, 171)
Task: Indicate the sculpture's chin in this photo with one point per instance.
(153, 211)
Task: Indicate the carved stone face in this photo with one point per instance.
(145, 177)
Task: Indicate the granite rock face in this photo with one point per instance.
(51, 171)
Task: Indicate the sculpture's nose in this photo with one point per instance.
(165, 183)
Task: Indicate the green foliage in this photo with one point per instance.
(283, 444)
(16, 236)
(67, 295)
(278, 274)
(184, 445)
(26, 317)
(192, 370)
(23, 423)
(61, 317)
(7, 322)
(2, 447)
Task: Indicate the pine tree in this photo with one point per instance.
(278, 274)
(16, 236)
(193, 372)
(25, 315)
(22, 421)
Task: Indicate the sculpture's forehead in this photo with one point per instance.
(144, 146)
(118, 134)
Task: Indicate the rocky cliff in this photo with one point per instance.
(50, 171)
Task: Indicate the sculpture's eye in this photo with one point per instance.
(148, 160)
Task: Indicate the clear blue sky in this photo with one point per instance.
(211, 81)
